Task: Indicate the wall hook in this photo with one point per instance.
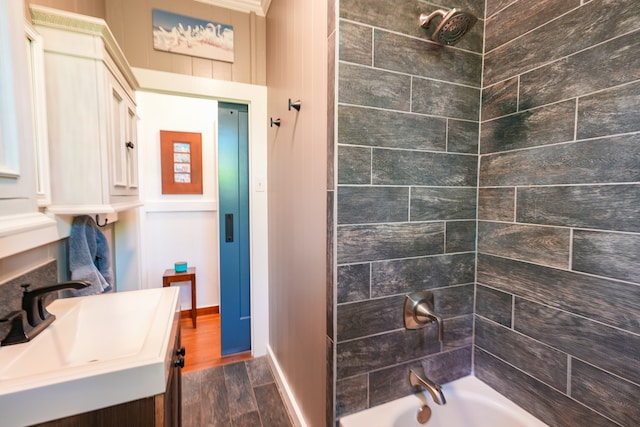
(275, 122)
(106, 220)
(296, 104)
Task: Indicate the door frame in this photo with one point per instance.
(255, 97)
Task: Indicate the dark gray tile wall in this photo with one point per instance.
(11, 295)
(407, 153)
(558, 288)
(556, 190)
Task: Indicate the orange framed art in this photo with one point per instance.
(181, 162)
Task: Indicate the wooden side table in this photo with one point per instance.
(170, 276)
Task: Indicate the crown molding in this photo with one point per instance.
(259, 7)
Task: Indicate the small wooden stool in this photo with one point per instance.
(170, 276)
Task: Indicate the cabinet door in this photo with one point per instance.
(117, 139)
(122, 141)
(132, 147)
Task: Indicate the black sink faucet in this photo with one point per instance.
(26, 324)
(33, 301)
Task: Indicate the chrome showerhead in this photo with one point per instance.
(453, 26)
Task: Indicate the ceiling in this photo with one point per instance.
(260, 7)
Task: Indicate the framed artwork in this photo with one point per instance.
(181, 162)
(192, 36)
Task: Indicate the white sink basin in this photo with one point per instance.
(100, 351)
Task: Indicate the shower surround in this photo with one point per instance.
(533, 144)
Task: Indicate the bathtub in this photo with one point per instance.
(470, 403)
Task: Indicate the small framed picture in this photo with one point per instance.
(181, 162)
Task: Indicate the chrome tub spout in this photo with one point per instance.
(417, 378)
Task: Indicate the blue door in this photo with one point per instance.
(233, 189)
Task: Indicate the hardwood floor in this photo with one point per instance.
(203, 344)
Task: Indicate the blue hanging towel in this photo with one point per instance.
(89, 256)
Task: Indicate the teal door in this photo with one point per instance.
(233, 189)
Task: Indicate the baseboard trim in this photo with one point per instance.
(202, 311)
(287, 395)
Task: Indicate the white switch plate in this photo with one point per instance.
(260, 184)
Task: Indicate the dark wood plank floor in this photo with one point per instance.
(203, 344)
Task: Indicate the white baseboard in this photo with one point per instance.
(287, 395)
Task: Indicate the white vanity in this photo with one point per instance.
(104, 356)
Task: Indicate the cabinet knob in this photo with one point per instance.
(129, 144)
(181, 351)
(179, 363)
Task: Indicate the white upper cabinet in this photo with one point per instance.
(91, 115)
(23, 180)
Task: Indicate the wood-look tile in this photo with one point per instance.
(392, 129)
(542, 245)
(354, 165)
(453, 301)
(574, 76)
(500, 99)
(272, 410)
(440, 98)
(607, 254)
(360, 319)
(433, 204)
(393, 383)
(522, 16)
(351, 395)
(529, 128)
(494, 6)
(405, 54)
(607, 207)
(191, 399)
(366, 205)
(549, 405)
(401, 17)
(494, 305)
(259, 371)
(359, 243)
(354, 282)
(355, 43)
(496, 204)
(373, 87)
(248, 419)
(415, 274)
(11, 295)
(462, 136)
(366, 354)
(563, 36)
(609, 348)
(401, 167)
(565, 290)
(610, 112)
(214, 406)
(461, 236)
(614, 159)
(239, 391)
(605, 393)
(537, 359)
(457, 332)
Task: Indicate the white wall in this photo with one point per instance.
(179, 227)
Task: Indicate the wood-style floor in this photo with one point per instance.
(202, 344)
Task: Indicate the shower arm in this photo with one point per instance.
(425, 19)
